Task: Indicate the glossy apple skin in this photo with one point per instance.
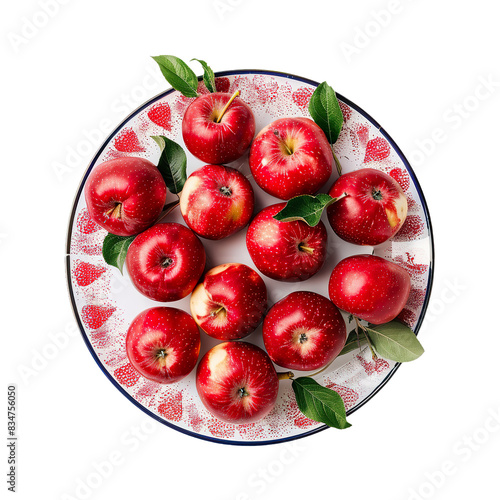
(230, 302)
(166, 261)
(217, 201)
(286, 175)
(304, 331)
(373, 211)
(277, 247)
(222, 142)
(370, 288)
(237, 382)
(163, 344)
(134, 183)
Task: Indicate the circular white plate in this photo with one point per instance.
(105, 302)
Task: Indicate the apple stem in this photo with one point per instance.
(288, 150)
(304, 248)
(337, 162)
(115, 212)
(285, 375)
(233, 97)
(214, 313)
(283, 143)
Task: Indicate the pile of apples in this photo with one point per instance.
(237, 381)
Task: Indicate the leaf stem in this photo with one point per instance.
(363, 329)
(233, 97)
(322, 369)
(343, 195)
(358, 323)
(285, 375)
(357, 337)
(168, 208)
(337, 162)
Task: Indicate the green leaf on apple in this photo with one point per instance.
(178, 74)
(394, 341)
(354, 341)
(325, 110)
(114, 249)
(306, 208)
(172, 164)
(208, 75)
(320, 403)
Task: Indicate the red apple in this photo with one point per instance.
(166, 261)
(291, 156)
(304, 331)
(285, 251)
(215, 133)
(216, 201)
(163, 344)
(230, 302)
(237, 382)
(370, 288)
(125, 196)
(374, 209)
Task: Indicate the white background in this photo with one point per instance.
(421, 67)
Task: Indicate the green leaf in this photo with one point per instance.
(172, 164)
(208, 75)
(114, 249)
(306, 208)
(353, 342)
(395, 341)
(178, 74)
(320, 403)
(325, 110)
